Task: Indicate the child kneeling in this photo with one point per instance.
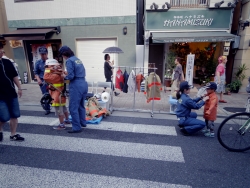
(210, 109)
(53, 76)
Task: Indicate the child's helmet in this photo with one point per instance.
(51, 62)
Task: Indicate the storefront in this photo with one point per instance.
(25, 42)
(204, 33)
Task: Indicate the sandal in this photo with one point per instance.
(222, 101)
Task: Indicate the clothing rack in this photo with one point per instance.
(130, 69)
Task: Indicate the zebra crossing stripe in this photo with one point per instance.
(38, 177)
(110, 126)
(103, 147)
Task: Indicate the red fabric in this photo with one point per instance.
(139, 79)
(119, 79)
(221, 69)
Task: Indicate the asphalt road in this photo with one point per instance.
(119, 152)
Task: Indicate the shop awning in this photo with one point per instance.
(211, 36)
(29, 33)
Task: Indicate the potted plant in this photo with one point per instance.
(235, 86)
(239, 77)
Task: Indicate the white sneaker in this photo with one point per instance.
(205, 131)
(209, 134)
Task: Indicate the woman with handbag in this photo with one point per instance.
(177, 77)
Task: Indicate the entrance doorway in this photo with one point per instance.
(32, 47)
(156, 56)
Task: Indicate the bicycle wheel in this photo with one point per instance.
(234, 132)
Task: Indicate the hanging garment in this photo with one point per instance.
(125, 87)
(119, 80)
(132, 82)
(139, 79)
(153, 87)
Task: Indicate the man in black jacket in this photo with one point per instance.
(108, 72)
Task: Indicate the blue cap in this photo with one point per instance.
(185, 85)
(43, 50)
(211, 85)
(64, 49)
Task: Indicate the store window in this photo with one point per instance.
(20, 1)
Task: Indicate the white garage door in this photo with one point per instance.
(90, 52)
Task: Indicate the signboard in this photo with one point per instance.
(200, 19)
(16, 43)
(36, 55)
(175, 40)
(25, 77)
(35, 52)
(190, 69)
(19, 1)
(226, 50)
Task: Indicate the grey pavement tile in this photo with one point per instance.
(32, 96)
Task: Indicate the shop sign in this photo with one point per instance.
(37, 56)
(190, 69)
(16, 43)
(201, 19)
(174, 40)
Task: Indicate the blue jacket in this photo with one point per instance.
(125, 87)
(185, 104)
(39, 68)
(75, 68)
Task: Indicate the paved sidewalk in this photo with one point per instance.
(32, 96)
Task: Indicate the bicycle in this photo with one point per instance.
(234, 132)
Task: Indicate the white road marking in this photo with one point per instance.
(110, 126)
(38, 177)
(103, 147)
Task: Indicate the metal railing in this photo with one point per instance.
(189, 3)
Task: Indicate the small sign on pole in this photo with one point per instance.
(25, 77)
(190, 69)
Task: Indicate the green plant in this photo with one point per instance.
(211, 67)
(169, 64)
(239, 77)
(234, 85)
(240, 74)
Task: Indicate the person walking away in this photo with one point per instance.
(9, 106)
(210, 109)
(187, 119)
(108, 72)
(220, 77)
(177, 77)
(53, 75)
(39, 73)
(78, 88)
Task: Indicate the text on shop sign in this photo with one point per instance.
(194, 20)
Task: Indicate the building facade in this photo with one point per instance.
(205, 28)
(87, 27)
(3, 29)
